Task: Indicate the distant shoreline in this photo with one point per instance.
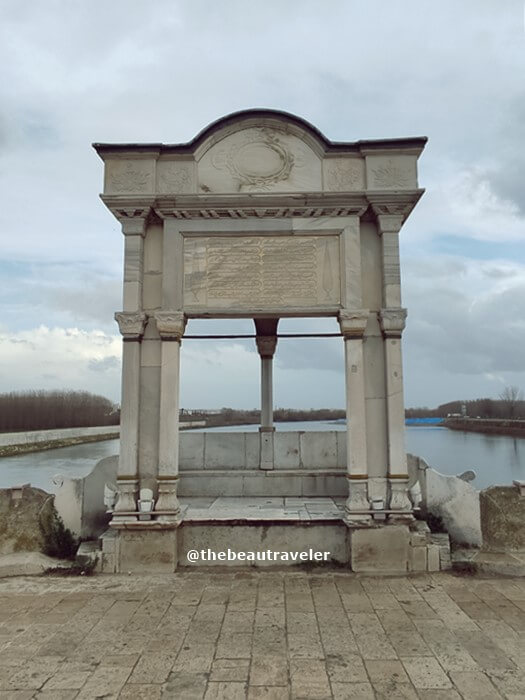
(488, 426)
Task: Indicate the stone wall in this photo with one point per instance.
(220, 464)
(503, 519)
(227, 464)
(20, 510)
(36, 436)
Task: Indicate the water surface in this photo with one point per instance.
(496, 459)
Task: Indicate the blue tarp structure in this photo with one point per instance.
(423, 421)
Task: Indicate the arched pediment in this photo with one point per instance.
(259, 150)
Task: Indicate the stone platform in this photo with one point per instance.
(279, 524)
(252, 635)
(290, 509)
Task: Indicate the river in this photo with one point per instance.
(496, 459)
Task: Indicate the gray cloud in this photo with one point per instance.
(130, 71)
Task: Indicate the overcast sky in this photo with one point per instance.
(73, 72)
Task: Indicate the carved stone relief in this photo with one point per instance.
(261, 271)
(174, 177)
(258, 160)
(129, 176)
(344, 174)
(397, 173)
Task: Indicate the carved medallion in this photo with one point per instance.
(257, 159)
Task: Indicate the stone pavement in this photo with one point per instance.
(270, 635)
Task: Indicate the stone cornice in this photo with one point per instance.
(353, 322)
(392, 322)
(278, 119)
(132, 212)
(131, 324)
(170, 324)
(128, 208)
(395, 203)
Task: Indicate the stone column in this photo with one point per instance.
(388, 226)
(131, 321)
(266, 341)
(131, 325)
(392, 320)
(353, 324)
(392, 324)
(170, 325)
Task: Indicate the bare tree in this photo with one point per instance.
(511, 397)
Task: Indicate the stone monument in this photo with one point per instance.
(260, 216)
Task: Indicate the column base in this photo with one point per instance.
(356, 503)
(167, 501)
(400, 501)
(126, 504)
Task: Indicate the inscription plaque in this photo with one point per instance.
(246, 272)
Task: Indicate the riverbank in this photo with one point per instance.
(39, 440)
(489, 426)
(13, 444)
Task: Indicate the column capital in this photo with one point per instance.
(131, 324)
(353, 323)
(389, 223)
(170, 324)
(392, 322)
(266, 345)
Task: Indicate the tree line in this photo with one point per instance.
(234, 416)
(48, 410)
(509, 405)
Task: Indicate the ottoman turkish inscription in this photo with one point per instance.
(261, 271)
(260, 216)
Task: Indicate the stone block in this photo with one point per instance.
(502, 519)
(80, 502)
(224, 450)
(433, 563)
(146, 551)
(253, 450)
(455, 501)
(341, 448)
(191, 451)
(20, 510)
(336, 486)
(417, 558)
(380, 550)
(274, 485)
(203, 483)
(318, 450)
(286, 450)
(324, 485)
(325, 537)
(152, 291)
(418, 539)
